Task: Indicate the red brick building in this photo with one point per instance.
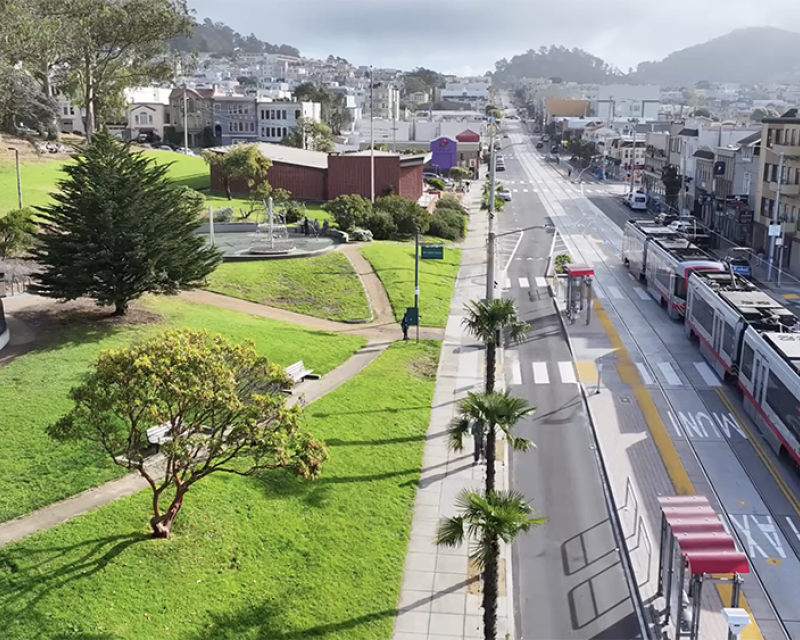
(312, 175)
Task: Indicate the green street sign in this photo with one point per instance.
(412, 315)
(432, 252)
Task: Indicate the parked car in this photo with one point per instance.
(505, 195)
(164, 147)
(505, 135)
(500, 167)
(186, 152)
(636, 201)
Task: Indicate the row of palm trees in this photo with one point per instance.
(486, 518)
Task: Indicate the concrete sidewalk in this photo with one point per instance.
(439, 597)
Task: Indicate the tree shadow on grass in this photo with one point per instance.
(23, 581)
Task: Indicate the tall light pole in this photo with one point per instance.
(490, 246)
(185, 119)
(371, 135)
(777, 211)
(19, 178)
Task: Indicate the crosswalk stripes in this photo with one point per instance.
(524, 191)
(615, 293)
(506, 282)
(567, 372)
(524, 284)
(540, 375)
(644, 373)
(669, 373)
(642, 293)
(541, 282)
(708, 375)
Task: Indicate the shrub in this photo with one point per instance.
(451, 201)
(436, 183)
(448, 223)
(561, 261)
(16, 232)
(349, 211)
(223, 214)
(294, 212)
(406, 214)
(381, 225)
(361, 235)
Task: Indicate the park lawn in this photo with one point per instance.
(35, 471)
(251, 558)
(394, 265)
(190, 171)
(324, 286)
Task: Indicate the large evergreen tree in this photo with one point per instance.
(118, 228)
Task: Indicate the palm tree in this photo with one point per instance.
(486, 520)
(485, 320)
(489, 412)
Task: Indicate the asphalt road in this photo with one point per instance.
(568, 578)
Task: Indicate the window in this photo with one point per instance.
(217, 108)
(727, 338)
(784, 404)
(283, 117)
(747, 361)
(263, 135)
(794, 137)
(252, 127)
(285, 133)
(136, 119)
(66, 111)
(230, 126)
(149, 119)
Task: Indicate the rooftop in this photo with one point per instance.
(287, 155)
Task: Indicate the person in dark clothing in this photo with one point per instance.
(305, 226)
(479, 438)
(404, 326)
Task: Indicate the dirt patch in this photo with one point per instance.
(27, 153)
(423, 366)
(475, 578)
(86, 312)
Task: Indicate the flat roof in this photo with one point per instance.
(786, 344)
(287, 155)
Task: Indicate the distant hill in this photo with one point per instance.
(216, 37)
(753, 55)
(570, 65)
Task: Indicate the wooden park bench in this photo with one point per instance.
(298, 372)
(159, 434)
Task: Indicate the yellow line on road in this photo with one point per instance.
(754, 440)
(587, 371)
(629, 374)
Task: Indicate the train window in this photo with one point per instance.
(703, 314)
(727, 338)
(680, 287)
(747, 361)
(784, 404)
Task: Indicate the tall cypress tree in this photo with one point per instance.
(118, 228)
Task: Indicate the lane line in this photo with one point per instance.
(642, 293)
(540, 375)
(707, 373)
(506, 282)
(615, 293)
(669, 373)
(644, 374)
(524, 284)
(541, 281)
(567, 372)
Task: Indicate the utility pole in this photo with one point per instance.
(490, 247)
(19, 177)
(416, 277)
(371, 135)
(185, 119)
(395, 109)
(776, 214)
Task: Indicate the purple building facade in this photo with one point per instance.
(444, 154)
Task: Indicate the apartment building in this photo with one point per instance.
(276, 119)
(383, 102)
(778, 190)
(235, 119)
(195, 108)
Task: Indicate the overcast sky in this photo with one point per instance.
(468, 36)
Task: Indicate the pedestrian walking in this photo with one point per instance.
(404, 326)
(479, 439)
(315, 222)
(569, 172)
(305, 226)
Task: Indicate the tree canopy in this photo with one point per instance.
(333, 106)
(119, 228)
(219, 404)
(309, 134)
(16, 232)
(242, 162)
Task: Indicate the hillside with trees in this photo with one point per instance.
(568, 65)
(754, 55)
(216, 37)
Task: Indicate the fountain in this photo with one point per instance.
(272, 237)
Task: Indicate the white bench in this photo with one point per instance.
(159, 434)
(298, 372)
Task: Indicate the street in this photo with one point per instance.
(716, 442)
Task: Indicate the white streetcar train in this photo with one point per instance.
(635, 242)
(748, 336)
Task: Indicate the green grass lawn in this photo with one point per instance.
(324, 286)
(394, 265)
(268, 557)
(35, 471)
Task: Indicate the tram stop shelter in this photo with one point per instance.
(695, 548)
(578, 290)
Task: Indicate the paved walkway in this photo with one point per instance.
(60, 512)
(439, 597)
(376, 293)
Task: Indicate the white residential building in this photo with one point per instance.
(476, 94)
(385, 99)
(642, 102)
(277, 119)
(148, 112)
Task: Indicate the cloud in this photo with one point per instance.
(456, 36)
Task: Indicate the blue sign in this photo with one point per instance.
(741, 270)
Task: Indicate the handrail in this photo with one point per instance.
(641, 528)
(631, 492)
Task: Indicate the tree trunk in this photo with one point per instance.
(120, 307)
(491, 453)
(227, 184)
(490, 593)
(162, 524)
(491, 358)
(89, 99)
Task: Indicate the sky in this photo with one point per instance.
(467, 37)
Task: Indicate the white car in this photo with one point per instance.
(505, 195)
(186, 152)
(636, 201)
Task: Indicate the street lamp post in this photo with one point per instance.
(490, 247)
(776, 215)
(19, 177)
(371, 135)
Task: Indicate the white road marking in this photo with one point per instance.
(513, 364)
(630, 275)
(707, 373)
(644, 374)
(598, 292)
(669, 373)
(642, 293)
(540, 375)
(524, 191)
(515, 190)
(541, 282)
(615, 293)
(567, 372)
(524, 284)
(506, 282)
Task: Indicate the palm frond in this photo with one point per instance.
(450, 532)
(520, 444)
(459, 428)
